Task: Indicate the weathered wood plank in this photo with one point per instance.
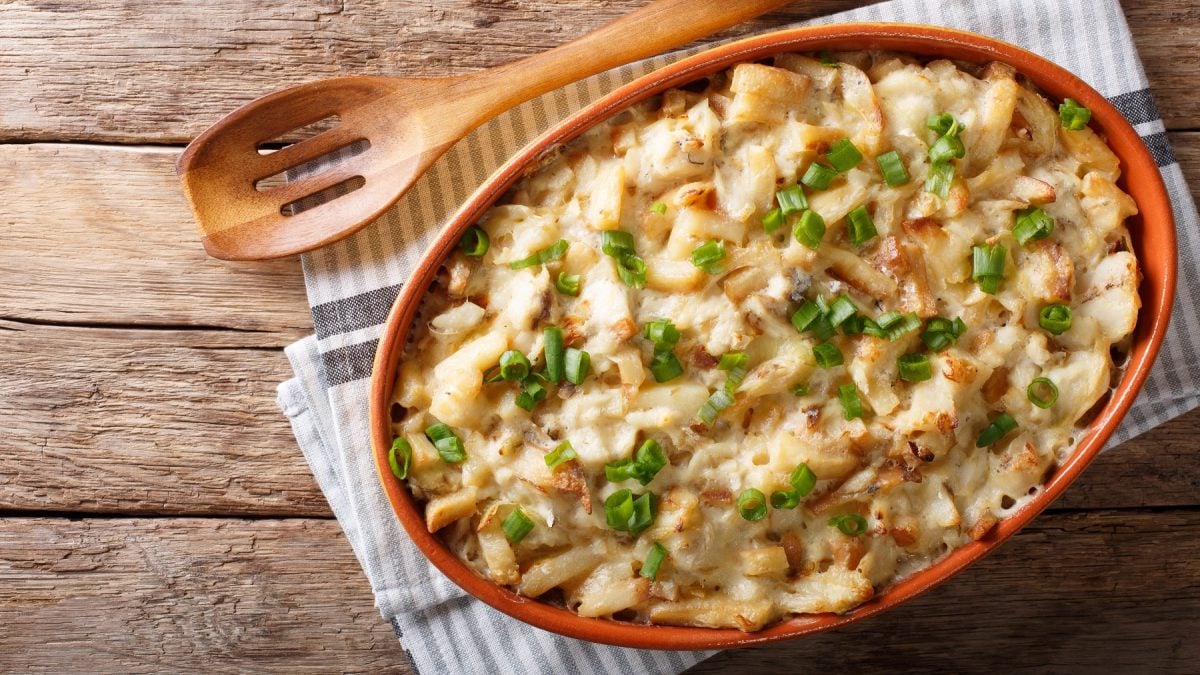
(1073, 592)
(102, 234)
(1077, 593)
(138, 72)
(146, 421)
(203, 595)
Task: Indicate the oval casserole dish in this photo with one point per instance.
(1152, 232)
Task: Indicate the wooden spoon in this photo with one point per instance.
(408, 123)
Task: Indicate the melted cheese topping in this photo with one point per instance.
(910, 467)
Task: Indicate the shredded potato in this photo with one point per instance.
(896, 486)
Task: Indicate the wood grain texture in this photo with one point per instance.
(102, 235)
(163, 72)
(198, 595)
(1072, 593)
(146, 421)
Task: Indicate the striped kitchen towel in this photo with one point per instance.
(351, 286)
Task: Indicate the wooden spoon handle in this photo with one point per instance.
(644, 32)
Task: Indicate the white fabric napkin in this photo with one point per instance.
(351, 286)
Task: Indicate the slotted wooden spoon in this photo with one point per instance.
(408, 123)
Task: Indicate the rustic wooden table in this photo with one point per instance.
(155, 512)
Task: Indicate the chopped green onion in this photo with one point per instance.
(941, 124)
(568, 284)
(906, 324)
(475, 242)
(1032, 223)
(1042, 392)
(946, 148)
(533, 394)
(513, 365)
(851, 405)
(548, 254)
(940, 333)
(818, 176)
(914, 367)
(632, 270)
(822, 329)
(643, 466)
(664, 365)
(843, 155)
(828, 355)
(553, 348)
(785, 499)
(449, 446)
(659, 207)
(803, 479)
(842, 308)
(828, 62)
(1055, 319)
(616, 242)
(939, 178)
(987, 266)
(717, 401)
(1073, 116)
(661, 332)
(772, 220)
(850, 524)
(733, 361)
(577, 364)
(800, 390)
(625, 513)
(654, 560)
(752, 504)
(516, 526)
(708, 256)
(565, 452)
(791, 199)
(856, 325)
(809, 229)
(993, 432)
(894, 172)
(399, 457)
(888, 319)
(862, 228)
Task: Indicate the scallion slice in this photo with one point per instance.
(861, 227)
(474, 242)
(914, 367)
(532, 394)
(818, 176)
(941, 124)
(772, 220)
(803, 479)
(993, 432)
(513, 366)
(987, 266)
(577, 364)
(568, 284)
(659, 207)
(625, 513)
(516, 526)
(791, 199)
(1042, 392)
(561, 454)
(548, 254)
(654, 560)
(643, 466)
(843, 156)
(852, 407)
(731, 361)
(717, 401)
(804, 317)
(449, 446)
(708, 256)
(809, 229)
(841, 309)
(1055, 319)
(856, 325)
(785, 499)
(752, 504)
(894, 171)
(664, 365)
(661, 332)
(940, 333)
(828, 355)
(399, 457)
(616, 242)
(939, 178)
(888, 319)
(552, 338)
(1032, 223)
(946, 148)
(632, 270)
(1073, 116)
(800, 390)
(905, 325)
(850, 524)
